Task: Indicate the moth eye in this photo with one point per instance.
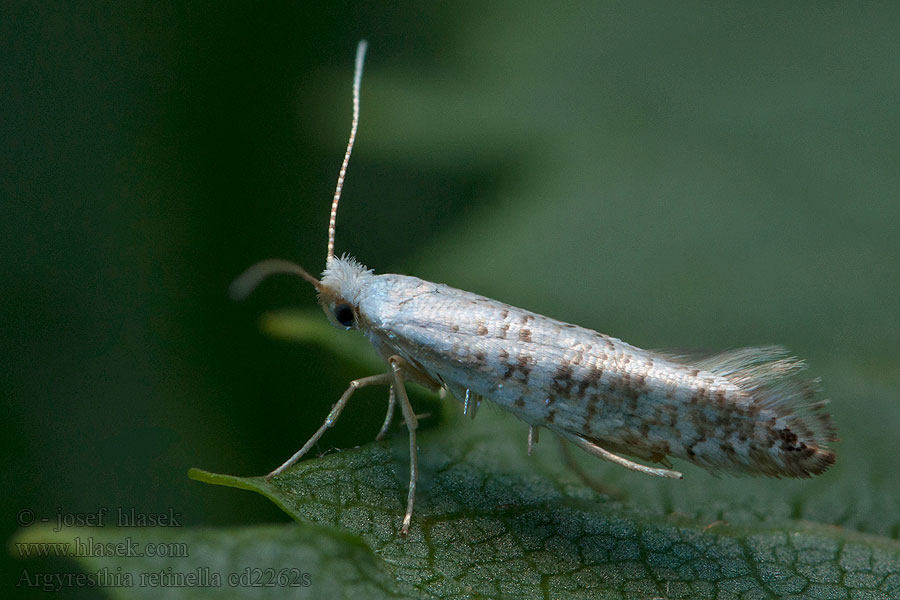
(343, 313)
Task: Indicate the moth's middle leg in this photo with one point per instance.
(392, 402)
(398, 365)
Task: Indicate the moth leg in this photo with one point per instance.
(588, 480)
(409, 416)
(623, 462)
(383, 378)
(392, 402)
(470, 406)
(532, 437)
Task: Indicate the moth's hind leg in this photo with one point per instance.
(383, 378)
(584, 476)
(600, 452)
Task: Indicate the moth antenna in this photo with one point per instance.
(357, 80)
(247, 281)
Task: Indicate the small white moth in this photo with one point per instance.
(743, 411)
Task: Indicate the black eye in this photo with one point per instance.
(344, 315)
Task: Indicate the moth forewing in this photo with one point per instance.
(742, 411)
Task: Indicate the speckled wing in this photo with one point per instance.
(743, 411)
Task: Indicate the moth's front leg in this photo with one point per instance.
(383, 378)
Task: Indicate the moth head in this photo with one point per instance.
(341, 288)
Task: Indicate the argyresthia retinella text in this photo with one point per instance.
(744, 411)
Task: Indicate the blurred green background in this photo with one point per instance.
(674, 175)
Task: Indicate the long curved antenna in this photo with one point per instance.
(357, 80)
(247, 281)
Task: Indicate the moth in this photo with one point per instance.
(744, 411)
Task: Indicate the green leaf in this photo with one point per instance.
(487, 524)
(484, 526)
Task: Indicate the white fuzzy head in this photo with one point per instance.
(343, 283)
